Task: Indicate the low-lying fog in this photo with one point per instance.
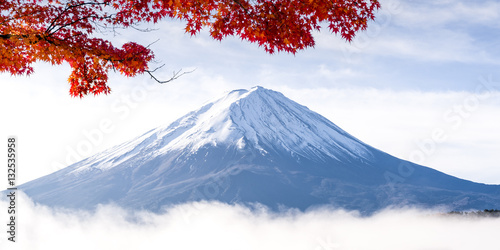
(213, 225)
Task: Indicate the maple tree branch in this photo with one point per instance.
(69, 7)
(38, 38)
(71, 23)
(175, 74)
(149, 45)
(60, 31)
(7, 20)
(142, 30)
(241, 5)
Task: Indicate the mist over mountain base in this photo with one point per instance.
(215, 225)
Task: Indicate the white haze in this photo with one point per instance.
(212, 225)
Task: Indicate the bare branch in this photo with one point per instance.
(149, 45)
(136, 27)
(175, 74)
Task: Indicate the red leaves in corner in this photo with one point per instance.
(58, 31)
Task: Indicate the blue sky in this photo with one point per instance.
(421, 69)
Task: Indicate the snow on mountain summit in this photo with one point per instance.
(261, 117)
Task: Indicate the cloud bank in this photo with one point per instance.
(212, 225)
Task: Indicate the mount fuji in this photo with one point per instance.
(255, 147)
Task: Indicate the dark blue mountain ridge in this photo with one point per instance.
(255, 146)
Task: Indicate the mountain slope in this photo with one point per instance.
(255, 146)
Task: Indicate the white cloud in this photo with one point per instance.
(211, 225)
(436, 45)
(441, 13)
(441, 31)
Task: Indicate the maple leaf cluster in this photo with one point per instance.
(58, 31)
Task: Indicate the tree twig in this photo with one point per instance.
(175, 74)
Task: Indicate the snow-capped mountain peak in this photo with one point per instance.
(260, 117)
(252, 146)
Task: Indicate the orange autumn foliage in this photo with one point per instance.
(58, 31)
